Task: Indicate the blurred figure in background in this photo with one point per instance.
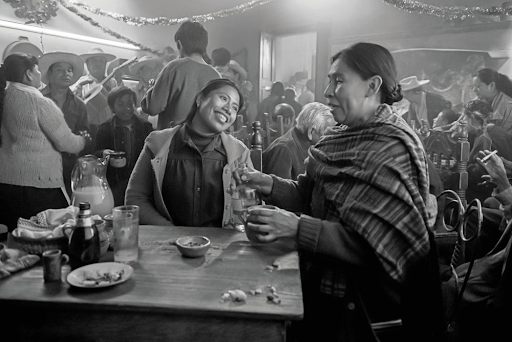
(60, 70)
(125, 132)
(97, 111)
(289, 97)
(445, 118)
(423, 105)
(181, 79)
(285, 156)
(307, 95)
(146, 70)
(268, 104)
(496, 89)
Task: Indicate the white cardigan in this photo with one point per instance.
(34, 133)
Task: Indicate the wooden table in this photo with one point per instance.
(168, 298)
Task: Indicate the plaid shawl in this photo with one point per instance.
(374, 179)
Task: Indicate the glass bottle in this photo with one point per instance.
(242, 198)
(84, 243)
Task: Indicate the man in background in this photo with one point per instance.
(285, 156)
(423, 105)
(308, 95)
(173, 94)
(59, 71)
(97, 108)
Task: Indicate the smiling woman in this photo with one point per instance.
(196, 157)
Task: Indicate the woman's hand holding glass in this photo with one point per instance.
(267, 225)
(261, 182)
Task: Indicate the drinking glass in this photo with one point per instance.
(126, 233)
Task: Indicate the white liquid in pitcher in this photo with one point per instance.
(102, 201)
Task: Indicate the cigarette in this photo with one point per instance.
(484, 159)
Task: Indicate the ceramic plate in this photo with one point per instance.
(98, 275)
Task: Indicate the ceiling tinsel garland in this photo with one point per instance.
(163, 21)
(447, 12)
(36, 11)
(107, 30)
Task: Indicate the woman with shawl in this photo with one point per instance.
(364, 233)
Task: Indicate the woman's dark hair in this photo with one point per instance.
(13, 70)
(207, 89)
(502, 82)
(478, 109)
(193, 38)
(369, 60)
(277, 89)
(119, 92)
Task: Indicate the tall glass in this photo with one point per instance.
(126, 233)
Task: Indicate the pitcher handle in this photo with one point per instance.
(75, 177)
(65, 231)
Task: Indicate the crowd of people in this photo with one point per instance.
(351, 178)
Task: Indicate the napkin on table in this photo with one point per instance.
(13, 260)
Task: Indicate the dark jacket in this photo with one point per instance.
(111, 135)
(285, 155)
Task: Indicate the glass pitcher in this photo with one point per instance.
(89, 184)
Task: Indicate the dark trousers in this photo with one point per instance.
(25, 201)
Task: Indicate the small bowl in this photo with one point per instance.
(193, 246)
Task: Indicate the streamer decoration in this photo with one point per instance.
(75, 11)
(451, 13)
(163, 21)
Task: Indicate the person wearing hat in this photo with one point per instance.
(172, 96)
(59, 71)
(424, 105)
(146, 70)
(96, 61)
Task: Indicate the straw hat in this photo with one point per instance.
(97, 52)
(146, 60)
(46, 61)
(412, 82)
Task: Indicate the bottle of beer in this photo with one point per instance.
(84, 244)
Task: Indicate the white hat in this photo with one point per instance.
(50, 58)
(135, 67)
(412, 82)
(97, 52)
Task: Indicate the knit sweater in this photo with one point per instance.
(34, 133)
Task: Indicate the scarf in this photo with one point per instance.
(374, 179)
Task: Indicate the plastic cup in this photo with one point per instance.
(126, 233)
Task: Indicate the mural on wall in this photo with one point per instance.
(450, 71)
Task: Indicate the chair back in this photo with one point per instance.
(271, 131)
(256, 146)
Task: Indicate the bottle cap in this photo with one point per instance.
(84, 205)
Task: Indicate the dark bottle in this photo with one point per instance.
(84, 244)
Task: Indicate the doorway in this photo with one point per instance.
(290, 59)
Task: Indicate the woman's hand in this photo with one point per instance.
(267, 225)
(496, 170)
(261, 182)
